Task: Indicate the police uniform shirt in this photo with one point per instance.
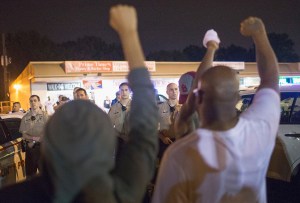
(33, 125)
(167, 115)
(118, 115)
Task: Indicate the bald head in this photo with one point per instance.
(172, 91)
(220, 83)
(219, 95)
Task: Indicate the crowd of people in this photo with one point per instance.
(203, 149)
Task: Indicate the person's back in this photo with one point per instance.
(227, 158)
(223, 166)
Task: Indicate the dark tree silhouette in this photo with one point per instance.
(232, 53)
(163, 55)
(89, 48)
(283, 47)
(23, 47)
(194, 53)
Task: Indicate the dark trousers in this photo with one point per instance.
(162, 148)
(32, 159)
(119, 148)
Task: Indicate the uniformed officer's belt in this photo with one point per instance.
(35, 144)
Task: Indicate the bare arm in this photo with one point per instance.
(189, 107)
(183, 121)
(207, 61)
(124, 20)
(266, 60)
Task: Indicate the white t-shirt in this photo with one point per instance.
(49, 107)
(223, 166)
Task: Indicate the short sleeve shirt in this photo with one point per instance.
(167, 117)
(223, 166)
(119, 118)
(33, 125)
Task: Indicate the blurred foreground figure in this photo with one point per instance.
(77, 152)
(226, 160)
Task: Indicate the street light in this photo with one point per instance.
(17, 86)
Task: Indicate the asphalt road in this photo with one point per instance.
(281, 192)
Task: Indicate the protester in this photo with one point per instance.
(31, 127)
(49, 106)
(226, 160)
(115, 100)
(79, 140)
(57, 104)
(106, 103)
(184, 124)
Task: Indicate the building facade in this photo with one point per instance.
(102, 78)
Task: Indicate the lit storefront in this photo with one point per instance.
(102, 78)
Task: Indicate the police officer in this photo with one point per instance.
(167, 112)
(32, 126)
(119, 115)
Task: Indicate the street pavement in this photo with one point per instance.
(282, 192)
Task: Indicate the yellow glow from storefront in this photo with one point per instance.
(17, 86)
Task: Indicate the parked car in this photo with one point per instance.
(12, 159)
(285, 160)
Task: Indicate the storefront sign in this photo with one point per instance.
(62, 86)
(102, 66)
(122, 66)
(233, 65)
(88, 66)
(92, 84)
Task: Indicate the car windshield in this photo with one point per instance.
(9, 129)
(289, 105)
(13, 127)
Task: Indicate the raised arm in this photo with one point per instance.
(135, 166)
(266, 60)
(183, 123)
(211, 42)
(123, 19)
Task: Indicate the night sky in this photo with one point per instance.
(165, 24)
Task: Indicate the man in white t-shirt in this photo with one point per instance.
(226, 160)
(49, 106)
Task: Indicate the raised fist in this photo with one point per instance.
(211, 36)
(123, 18)
(252, 26)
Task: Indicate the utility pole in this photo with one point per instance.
(4, 62)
